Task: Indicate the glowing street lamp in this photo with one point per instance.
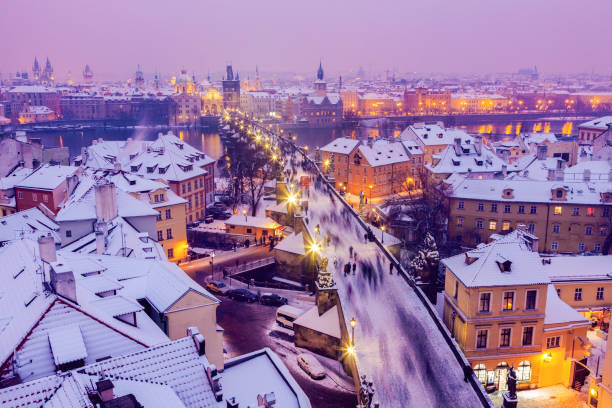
(244, 212)
(353, 324)
(212, 264)
(383, 234)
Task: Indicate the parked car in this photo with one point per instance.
(219, 205)
(272, 299)
(217, 287)
(209, 219)
(311, 366)
(218, 213)
(286, 315)
(224, 215)
(242, 294)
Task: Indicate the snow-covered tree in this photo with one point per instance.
(426, 261)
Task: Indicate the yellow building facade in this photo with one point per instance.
(503, 312)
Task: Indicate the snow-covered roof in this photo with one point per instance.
(47, 177)
(82, 203)
(32, 89)
(599, 123)
(329, 98)
(341, 145)
(529, 191)
(272, 376)
(14, 177)
(31, 223)
(250, 221)
(465, 158)
(293, 243)
(433, 135)
(383, 152)
(597, 170)
(327, 323)
(485, 265)
(564, 268)
(117, 305)
(67, 344)
(560, 313)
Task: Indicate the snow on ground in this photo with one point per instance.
(398, 345)
(598, 351)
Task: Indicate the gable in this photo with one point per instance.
(189, 300)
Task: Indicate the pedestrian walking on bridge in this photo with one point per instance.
(354, 267)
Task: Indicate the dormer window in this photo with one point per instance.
(559, 193)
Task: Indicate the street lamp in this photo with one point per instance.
(212, 264)
(244, 212)
(383, 234)
(353, 324)
(371, 186)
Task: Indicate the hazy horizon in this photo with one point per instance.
(442, 36)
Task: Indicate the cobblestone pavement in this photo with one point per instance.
(556, 396)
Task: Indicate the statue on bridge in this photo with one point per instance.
(325, 278)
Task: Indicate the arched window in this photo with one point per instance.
(523, 373)
(481, 373)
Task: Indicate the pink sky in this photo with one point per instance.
(286, 35)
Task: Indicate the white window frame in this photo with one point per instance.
(476, 339)
(500, 337)
(490, 301)
(523, 335)
(513, 301)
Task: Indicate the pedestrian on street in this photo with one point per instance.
(391, 268)
(354, 267)
(347, 268)
(351, 251)
(355, 257)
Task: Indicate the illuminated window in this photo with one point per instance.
(506, 226)
(590, 211)
(508, 303)
(557, 210)
(481, 373)
(460, 221)
(523, 373)
(492, 224)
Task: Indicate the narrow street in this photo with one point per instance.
(251, 326)
(201, 268)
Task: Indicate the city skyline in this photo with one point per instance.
(434, 36)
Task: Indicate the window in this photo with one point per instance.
(461, 205)
(481, 339)
(480, 207)
(492, 224)
(559, 292)
(576, 211)
(156, 198)
(168, 214)
(578, 294)
(559, 193)
(597, 247)
(557, 210)
(533, 209)
(588, 230)
(169, 233)
(485, 303)
(160, 235)
(507, 208)
(494, 207)
(553, 342)
(600, 293)
(521, 209)
(159, 218)
(504, 340)
(556, 228)
(581, 247)
(456, 290)
(554, 245)
(527, 336)
(531, 228)
(506, 226)
(183, 188)
(189, 187)
(603, 231)
(523, 373)
(530, 299)
(605, 212)
(19, 194)
(34, 196)
(68, 233)
(508, 303)
(460, 221)
(481, 373)
(170, 252)
(249, 230)
(590, 212)
(479, 224)
(45, 197)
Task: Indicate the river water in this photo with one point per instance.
(210, 143)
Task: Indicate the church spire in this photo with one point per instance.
(320, 71)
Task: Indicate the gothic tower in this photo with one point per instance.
(320, 85)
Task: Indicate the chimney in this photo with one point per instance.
(83, 154)
(198, 339)
(117, 166)
(100, 244)
(505, 170)
(586, 175)
(106, 202)
(478, 145)
(232, 403)
(46, 249)
(62, 281)
(105, 390)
